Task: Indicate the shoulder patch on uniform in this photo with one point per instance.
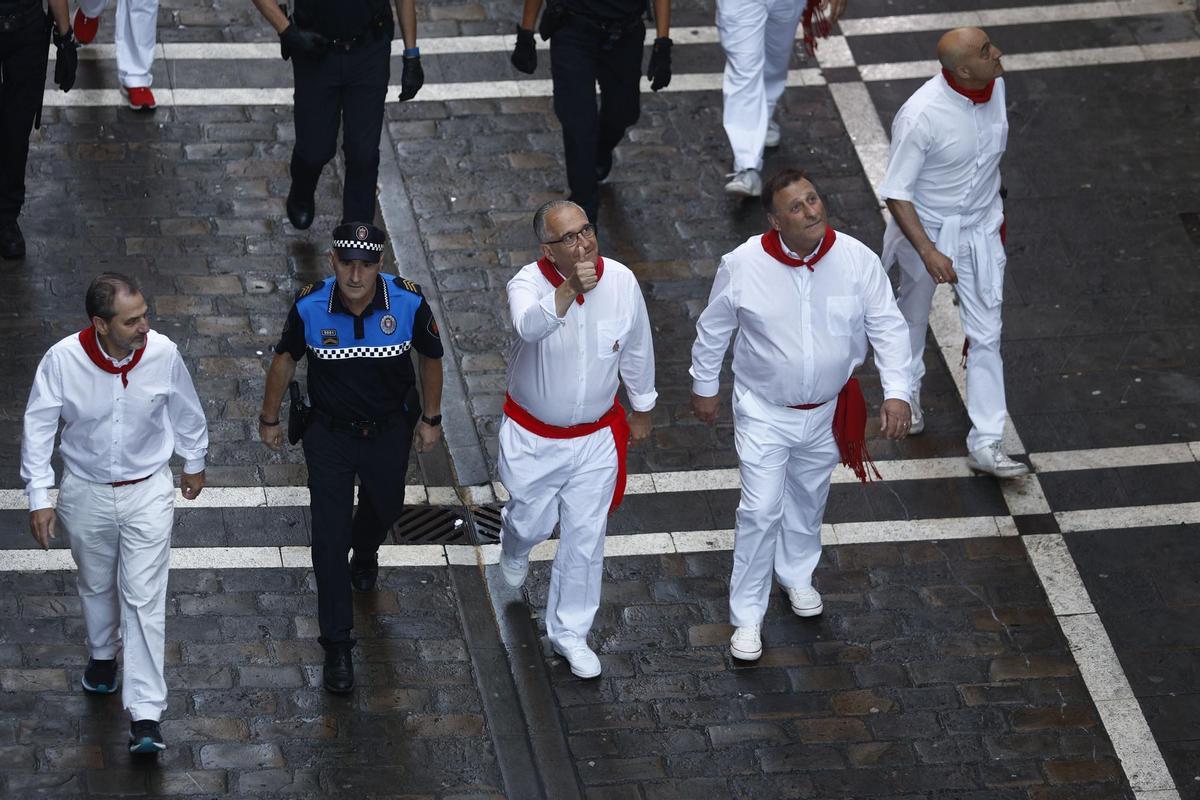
(405, 283)
(308, 289)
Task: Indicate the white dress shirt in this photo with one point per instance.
(564, 370)
(945, 160)
(112, 433)
(801, 333)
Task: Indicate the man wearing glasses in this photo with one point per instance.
(581, 327)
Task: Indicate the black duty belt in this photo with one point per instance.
(12, 20)
(613, 28)
(361, 428)
(376, 31)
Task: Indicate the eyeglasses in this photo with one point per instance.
(571, 239)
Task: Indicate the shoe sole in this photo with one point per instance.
(101, 688)
(814, 611)
(577, 674)
(745, 655)
(996, 474)
(146, 746)
(332, 690)
(742, 193)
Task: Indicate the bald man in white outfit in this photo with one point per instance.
(581, 327)
(804, 300)
(943, 189)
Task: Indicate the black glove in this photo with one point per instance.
(296, 42)
(412, 78)
(659, 70)
(66, 60)
(524, 55)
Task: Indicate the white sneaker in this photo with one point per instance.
(584, 663)
(918, 421)
(994, 461)
(747, 183)
(773, 134)
(513, 569)
(746, 643)
(806, 602)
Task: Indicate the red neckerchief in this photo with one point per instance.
(772, 243)
(850, 431)
(91, 346)
(552, 274)
(814, 24)
(976, 96)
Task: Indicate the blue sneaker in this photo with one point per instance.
(100, 677)
(145, 737)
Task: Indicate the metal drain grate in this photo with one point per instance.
(486, 521)
(431, 525)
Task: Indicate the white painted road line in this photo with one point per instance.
(1067, 12)
(1103, 519)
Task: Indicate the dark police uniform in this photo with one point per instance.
(600, 41)
(360, 374)
(24, 40)
(346, 87)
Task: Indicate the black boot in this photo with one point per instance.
(12, 242)
(604, 165)
(339, 668)
(364, 569)
(301, 208)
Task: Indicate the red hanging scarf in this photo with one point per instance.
(614, 419)
(772, 243)
(976, 96)
(815, 25)
(850, 430)
(551, 273)
(91, 346)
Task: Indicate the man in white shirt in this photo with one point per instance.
(127, 402)
(943, 189)
(581, 325)
(805, 300)
(758, 37)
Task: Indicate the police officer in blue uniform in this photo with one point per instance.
(25, 33)
(357, 329)
(341, 58)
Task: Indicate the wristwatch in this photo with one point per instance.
(433, 421)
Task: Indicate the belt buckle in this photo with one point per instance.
(363, 429)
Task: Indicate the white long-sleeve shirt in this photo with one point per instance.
(112, 433)
(564, 370)
(800, 333)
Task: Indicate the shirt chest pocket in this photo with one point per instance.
(843, 315)
(997, 137)
(610, 338)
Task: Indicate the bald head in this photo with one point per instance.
(970, 56)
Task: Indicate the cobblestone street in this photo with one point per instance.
(1028, 640)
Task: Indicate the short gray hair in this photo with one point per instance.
(539, 216)
(100, 300)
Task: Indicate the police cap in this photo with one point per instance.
(358, 241)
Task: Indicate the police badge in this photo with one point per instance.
(388, 324)
(361, 232)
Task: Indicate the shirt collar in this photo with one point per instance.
(379, 302)
(115, 362)
(796, 255)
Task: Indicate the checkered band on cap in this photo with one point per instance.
(337, 353)
(349, 244)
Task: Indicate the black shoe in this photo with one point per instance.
(339, 669)
(145, 737)
(301, 209)
(604, 165)
(100, 677)
(12, 242)
(364, 570)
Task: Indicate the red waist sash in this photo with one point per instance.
(850, 429)
(613, 419)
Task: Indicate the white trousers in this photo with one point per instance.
(135, 36)
(986, 404)
(569, 482)
(121, 541)
(758, 37)
(786, 459)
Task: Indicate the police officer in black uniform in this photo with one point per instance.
(341, 59)
(357, 329)
(25, 32)
(595, 41)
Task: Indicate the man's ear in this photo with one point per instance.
(100, 325)
(333, 262)
(546, 253)
(773, 220)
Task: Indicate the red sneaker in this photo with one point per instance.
(85, 27)
(140, 97)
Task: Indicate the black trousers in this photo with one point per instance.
(24, 55)
(343, 89)
(582, 56)
(334, 459)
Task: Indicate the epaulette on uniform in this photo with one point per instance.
(309, 289)
(405, 283)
